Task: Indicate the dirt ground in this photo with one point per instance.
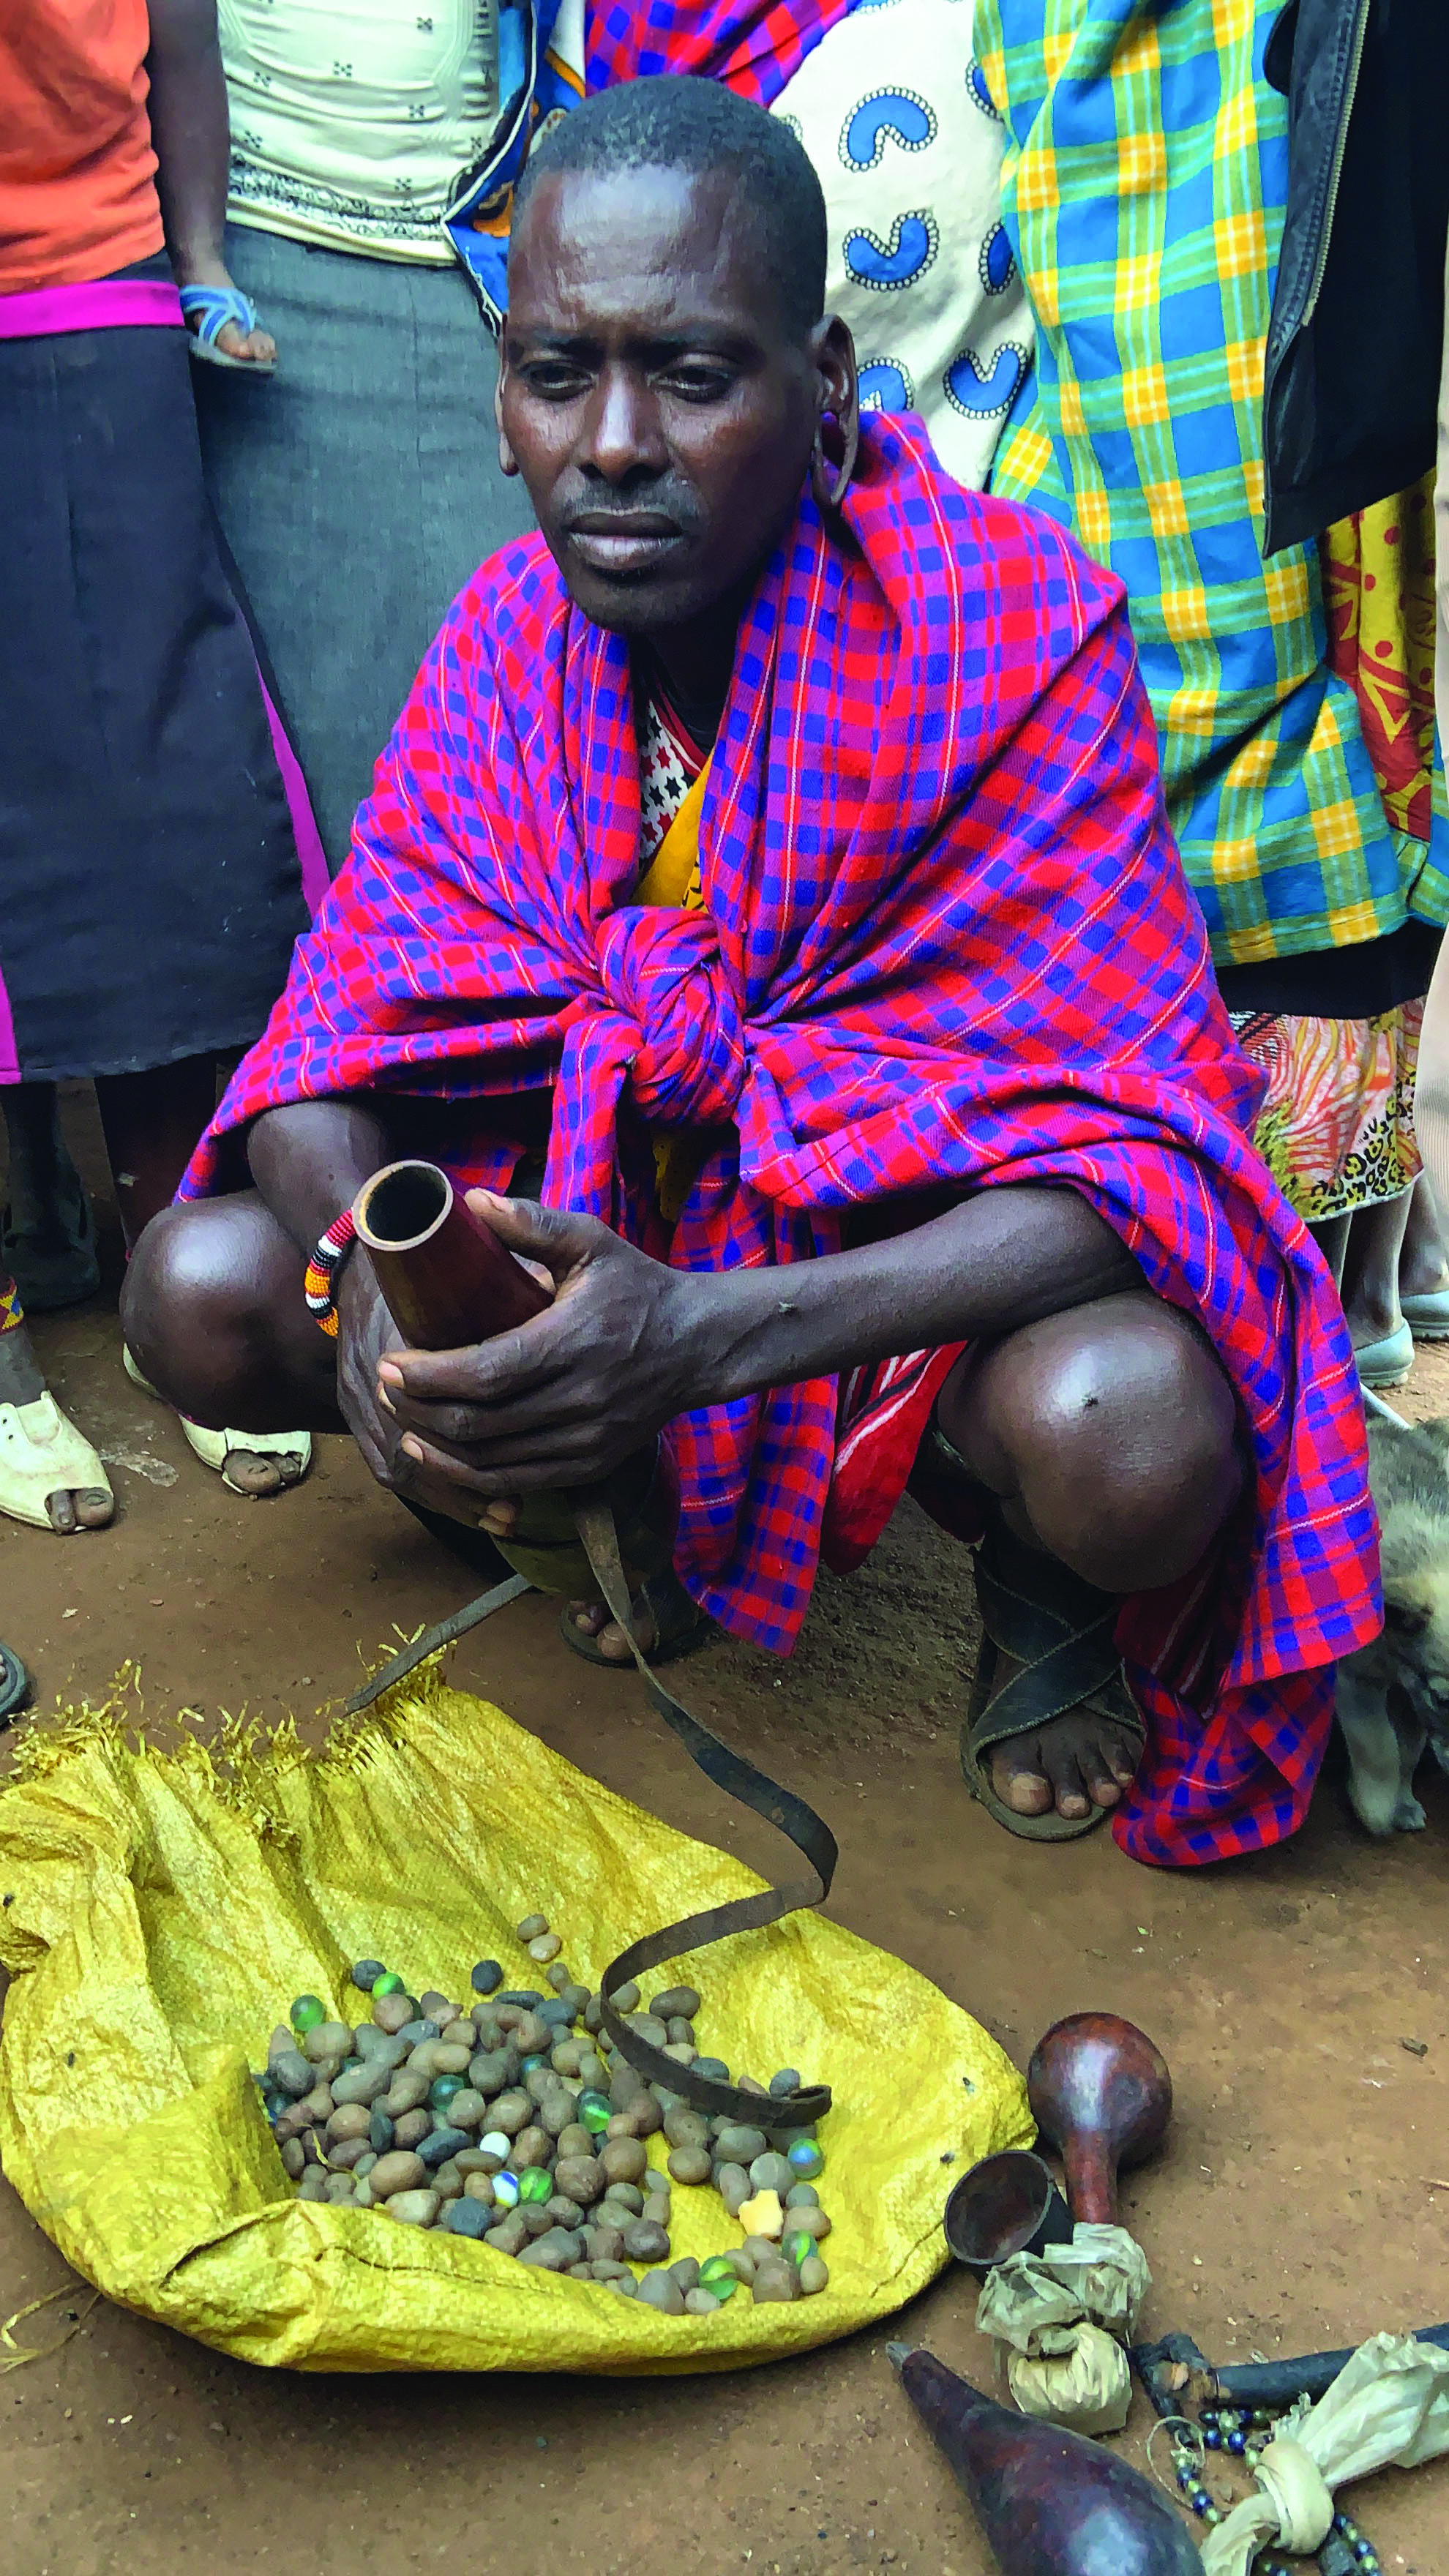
(1303, 2199)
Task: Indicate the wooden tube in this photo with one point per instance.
(447, 1279)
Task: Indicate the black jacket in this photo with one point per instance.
(1355, 339)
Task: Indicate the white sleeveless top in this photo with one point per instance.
(353, 120)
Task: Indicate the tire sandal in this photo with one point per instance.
(14, 1685)
(211, 308)
(1059, 1629)
(680, 1626)
(216, 1448)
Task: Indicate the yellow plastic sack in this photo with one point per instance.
(161, 1911)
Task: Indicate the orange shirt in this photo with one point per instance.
(77, 171)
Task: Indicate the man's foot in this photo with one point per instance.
(666, 1622)
(248, 1462)
(1074, 1763)
(50, 1476)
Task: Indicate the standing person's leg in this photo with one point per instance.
(1369, 1281)
(1424, 1267)
(47, 1236)
(153, 1123)
(354, 519)
(49, 1476)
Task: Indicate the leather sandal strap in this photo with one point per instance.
(1057, 1627)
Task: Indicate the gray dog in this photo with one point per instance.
(1393, 1696)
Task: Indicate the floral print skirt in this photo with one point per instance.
(1336, 1128)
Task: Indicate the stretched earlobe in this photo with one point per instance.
(832, 462)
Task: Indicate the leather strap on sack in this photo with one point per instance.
(729, 1771)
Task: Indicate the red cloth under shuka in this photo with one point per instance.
(947, 940)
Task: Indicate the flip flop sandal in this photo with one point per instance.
(214, 1448)
(1386, 1362)
(1060, 1631)
(1427, 1316)
(50, 1280)
(680, 1626)
(42, 1453)
(14, 1685)
(212, 307)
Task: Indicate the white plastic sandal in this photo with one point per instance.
(42, 1453)
(215, 1448)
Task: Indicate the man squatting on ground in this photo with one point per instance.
(773, 849)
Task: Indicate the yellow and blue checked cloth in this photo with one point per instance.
(1143, 190)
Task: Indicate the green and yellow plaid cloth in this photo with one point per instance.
(1143, 192)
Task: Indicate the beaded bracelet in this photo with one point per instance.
(320, 1285)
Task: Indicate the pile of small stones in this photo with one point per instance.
(516, 2122)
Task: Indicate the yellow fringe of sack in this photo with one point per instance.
(161, 1910)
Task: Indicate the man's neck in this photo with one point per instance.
(695, 662)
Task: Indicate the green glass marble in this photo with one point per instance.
(534, 2183)
(442, 2090)
(531, 2065)
(595, 2111)
(718, 2277)
(804, 2159)
(306, 2013)
(798, 2244)
(387, 1984)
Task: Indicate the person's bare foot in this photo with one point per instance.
(69, 1508)
(253, 1471)
(257, 347)
(1076, 1762)
(592, 1619)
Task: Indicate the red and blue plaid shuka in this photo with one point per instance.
(947, 939)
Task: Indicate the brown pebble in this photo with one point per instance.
(626, 2195)
(541, 2257)
(317, 2105)
(813, 2220)
(623, 2160)
(532, 2146)
(646, 2243)
(690, 2164)
(675, 1999)
(776, 2280)
(530, 2035)
(536, 2219)
(473, 2160)
(686, 2128)
(509, 2236)
(293, 2159)
(479, 2186)
(657, 2290)
(685, 2272)
(734, 2187)
(313, 2185)
(531, 1926)
(460, 2034)
(391, 2012)
(339, 2188)
(349, 2120)
(563, 2212)
(556, 2114)
(435, 2007)
(681, 2030)
(582, 2177)
(606, 2269)
(605, 2244)
(347, 2152)
(406, 2092)
(447, 2181)
(546, 1947)
(646, 2115)
(412, 2128)
(740, 2262)
(814, 2276)
(701, 2303)
(467, 2110)
(414, 2208)
(510, 2113)
(447, 2060)
(397, 2171)
(327, 2039)
(574, 2141)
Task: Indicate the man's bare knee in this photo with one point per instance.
(192, 1304)
(1114, 1426)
